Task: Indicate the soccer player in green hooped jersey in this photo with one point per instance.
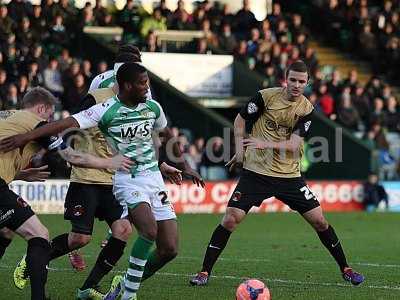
(127, 121)
(126, 53)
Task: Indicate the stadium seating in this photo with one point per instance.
(57, 60)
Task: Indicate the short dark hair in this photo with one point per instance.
(129, 72)
(129, 48)
(38, 95)
(297, 66)
(126, 57)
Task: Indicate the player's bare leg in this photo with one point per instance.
(6, 236)
(110, 254)
(75, 242)
(232, 218)
(37, 257)
(329, 239)
(106, 260)
(166, 250)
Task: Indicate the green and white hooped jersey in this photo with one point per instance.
(108, 79)
(103, 80)
(128, 130)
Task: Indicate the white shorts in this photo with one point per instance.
(147, 186)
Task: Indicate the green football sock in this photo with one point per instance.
(139, 255)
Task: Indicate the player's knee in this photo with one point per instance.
(150, 233)
(79, 240)
(37, 231)
(230, 222)
(168, 253)
(7, 233)
(43, 232)
(320, 224)
(125, 232)
(122, 230)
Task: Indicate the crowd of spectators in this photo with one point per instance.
(368, 26)
(37, 41)
(269, 46)
(36, 44)
(206, 157)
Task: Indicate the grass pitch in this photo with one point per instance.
(278, 248)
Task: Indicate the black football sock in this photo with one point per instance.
(218, 241)
(37, 258)
(106, 260)
(4, 243)
(331, 242)
(59, 246)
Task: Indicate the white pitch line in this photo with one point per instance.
(384, 287)
(233, 277)
(312, 262)
(295, 260)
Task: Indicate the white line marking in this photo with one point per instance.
(312, 262)
(385, 287)
(294, 260)
(233, 277)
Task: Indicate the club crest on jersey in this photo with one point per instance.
(236, 196)
(21, 202)
(148, 114)
(78, 210)
(252, 108)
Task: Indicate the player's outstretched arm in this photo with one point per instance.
(79, 159)
(20, 140)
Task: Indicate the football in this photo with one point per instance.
(253, 289)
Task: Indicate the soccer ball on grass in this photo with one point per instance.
(253, 289)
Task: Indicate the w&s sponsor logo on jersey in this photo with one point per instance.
(134, 130)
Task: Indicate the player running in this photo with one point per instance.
(16, 215)
(127, 121)
(277, 120)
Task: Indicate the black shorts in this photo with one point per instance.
(85, 202)
(253, 188)
(14, 211)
